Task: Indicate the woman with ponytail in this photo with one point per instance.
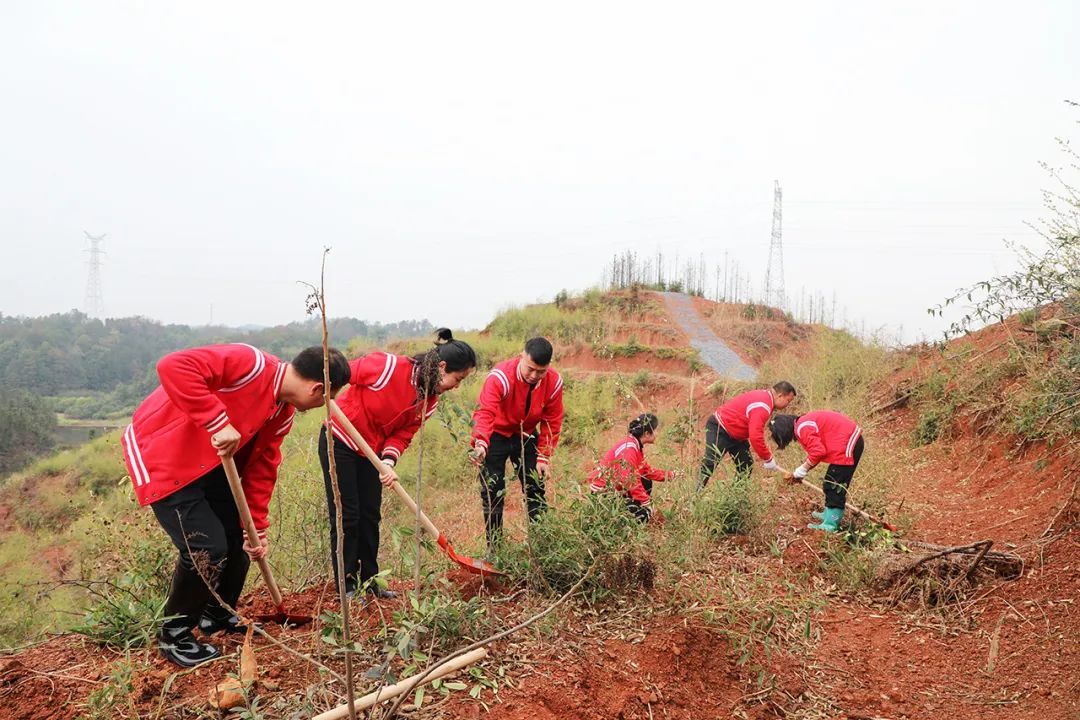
(625, 469)
(388, 396)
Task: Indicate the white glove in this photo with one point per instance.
(800, 472)
(389, 461)
(772, 465)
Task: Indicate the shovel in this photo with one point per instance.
(473, 565)
(281, 616)
(850, 506)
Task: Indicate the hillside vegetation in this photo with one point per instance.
(727, 607)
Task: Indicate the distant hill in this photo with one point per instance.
(90, 368)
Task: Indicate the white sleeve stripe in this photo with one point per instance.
(387, 373)
(260, 363)
(558, 387)
(285, 428)
(217, 418)
(505, 381)
(221, 421)
(755, 405)
(800, 426)
(142, 477)
(852, 440)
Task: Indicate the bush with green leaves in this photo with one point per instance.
(565, 543)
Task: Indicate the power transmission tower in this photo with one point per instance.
(774, 273)
(95, 303)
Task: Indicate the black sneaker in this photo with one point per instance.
(381, 593)
(179, 646)
(208, 625)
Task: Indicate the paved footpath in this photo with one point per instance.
(714, 352)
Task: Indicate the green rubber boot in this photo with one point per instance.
(819, 516)
(830, 520)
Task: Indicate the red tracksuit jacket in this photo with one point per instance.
(624, 467)
(167, 444)
(827, 436)
(744, 417)
(382, 404)
(502, 408)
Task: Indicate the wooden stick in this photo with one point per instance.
(392, 691)
(851, 506)
(249, 527)
(375, 460)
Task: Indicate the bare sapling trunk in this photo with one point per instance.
(317, 300)
(419, 532)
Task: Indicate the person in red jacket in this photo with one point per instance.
(625, 469)
(827, 436)
(385, 402)
(519, 418)
(223, 400)
(738, 425)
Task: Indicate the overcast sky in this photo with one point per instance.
(463, 157)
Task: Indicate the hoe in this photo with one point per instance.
(473, 565)
(850, 505)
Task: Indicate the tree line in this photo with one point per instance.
(88, 368)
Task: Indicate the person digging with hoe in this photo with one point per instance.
(738, 425)
(216, 402)
(519, 418)
(827, 436)
(389, 396)
(624, 467)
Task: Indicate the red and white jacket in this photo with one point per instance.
(502, 408)
(827, 436)
(382, 404)
(624, 467)
(744, 417)
(167, 445)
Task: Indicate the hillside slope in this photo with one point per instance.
(766, 620)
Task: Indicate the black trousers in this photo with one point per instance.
(838, 479)
(522, 454)
(717, 443)
(361, 512)
(203, 523)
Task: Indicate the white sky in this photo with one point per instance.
(461, 157)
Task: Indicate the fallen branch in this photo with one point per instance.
(898, 402)
(402, 687)
(493, 638)
(981, 547)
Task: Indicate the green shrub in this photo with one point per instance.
(126, 612)
(932, 423)
(727, 507)
(565, 543)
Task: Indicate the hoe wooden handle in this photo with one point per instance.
(357, 438)
(249, 525)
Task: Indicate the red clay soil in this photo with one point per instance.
(969, 488)
(754, 339)
(668, 671)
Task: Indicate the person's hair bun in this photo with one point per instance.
(443, 336)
